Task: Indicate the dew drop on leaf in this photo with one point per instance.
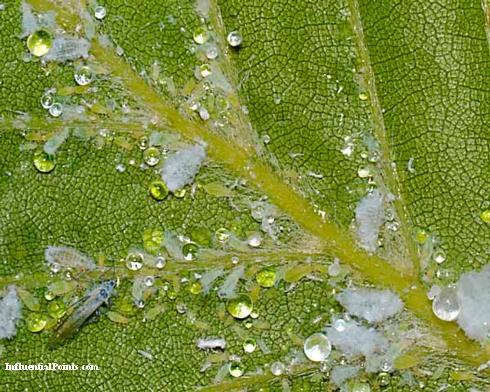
(277, 368)
(240, 307)
(485, 216)
(100, 12)
(234, 39)
(446, 305)
(200, 36)
(249, 345)
(236, 369)
(56, 109)
(190, 250)
(195, 288)
(47, 100)
(205, 70)
(36, 322)
(83, 75)
(439, 256)
(222, 235)
(158, 190)
(317, 347)
(134, 261)
(151, 156)
(39, 43)
(266, 277)
(43, 162)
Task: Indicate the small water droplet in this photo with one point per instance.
(421, 236)
(190, 250)
(83, 75)
(149, 281)
(55, 267)
(234, 39)
(143, 142)
(255, 240)
(266, 277)
(47, 100)
(100, 12)
(39, 43)
(158, 190)
(134, 261)
(485, 216)
(140, 304)
(278, 368)
(56, 308)
(249, 345)
(151, 156)
(339, 325)
(212, 52)
(36, 322)
(439, 256)
(205, 70)
(181, 308)
(195, 288)
(160, 262)
(364, 172)
(240, 307)
(120, 168)
(179, 193)
(317, 347)
(222, 235)
(266, 139)
(446, 305)
(200, 36)
(43, 162)
(56, 109)
(363, 96)
(203, 113)
(236, 369)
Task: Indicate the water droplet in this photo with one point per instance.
(212, 52)
(222, 235)
(140, 304)
(100, 12)
(171, 294)
(143, 142)
(339, 325)
(249, 345)
(201, 35)
(364, 172)
(160, 262)
(153, 240)
(55, 267)
(234, 39)
(278, 368)
(240, 307)
(120, 168)
(195, 288)
(383, 379)
(266, 139)
(83, 75)
(151, 156)
(255, 240)
(149, 281)
(181, 308)
(485, 216)
(386, 366)
(266, 277)
(49, 295)
(134, 261)
(363, 96)
(56, 109)
(39, 43)
(47, 100)
(179, 193)
(158, 190)
(236, 369)
(446, 305)
(43, 162)
(36, 322)
(317, 347)
(421, 236)
(439, 256)
(205, 70)
(190, 250)
(56, 308)
(203, 113)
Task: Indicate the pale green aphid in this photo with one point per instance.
(89, 304)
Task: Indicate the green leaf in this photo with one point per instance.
(321, 103)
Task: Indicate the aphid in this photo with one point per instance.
(211, 343)
(89, 304)
(68, 257)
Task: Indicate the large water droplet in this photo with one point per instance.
(190, 250)
(36, 322)
(39, 43)
(446, 305)
(134, 261)
(241, 306)
(236, 369)
(317, 347)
